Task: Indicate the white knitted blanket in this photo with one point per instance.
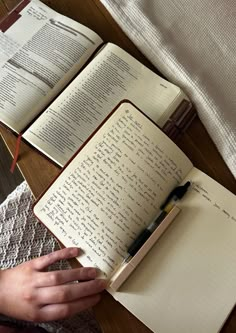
(193, 44)
(23, 238)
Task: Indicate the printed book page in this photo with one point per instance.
(112, 188)
(187, 282)
(112, 76)
(39, 54)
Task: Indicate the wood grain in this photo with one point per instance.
(3, 10)
(10, 4)
(196, 143)
(8, 181)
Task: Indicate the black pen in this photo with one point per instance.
(165, 208)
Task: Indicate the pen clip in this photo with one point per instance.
(177, 193)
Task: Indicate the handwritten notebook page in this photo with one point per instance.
(187, 283)
(113, 188)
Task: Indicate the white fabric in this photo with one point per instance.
(193, 44)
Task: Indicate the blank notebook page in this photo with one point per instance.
(187, 283)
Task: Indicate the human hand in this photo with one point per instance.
(28, 292)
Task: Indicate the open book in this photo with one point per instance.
(58, 82)
(113, 188)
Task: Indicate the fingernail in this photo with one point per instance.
(92, 273)
(103, 283)
(74, 251)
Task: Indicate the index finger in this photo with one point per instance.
(45, 261)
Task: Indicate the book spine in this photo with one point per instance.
(180, 120)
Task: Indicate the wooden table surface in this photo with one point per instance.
(196, 143)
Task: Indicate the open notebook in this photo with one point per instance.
(111, 190)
